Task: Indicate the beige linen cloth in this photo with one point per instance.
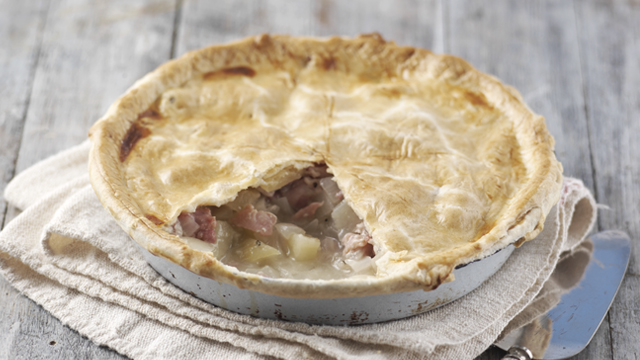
(66, 253)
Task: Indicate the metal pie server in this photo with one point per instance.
(568, 327)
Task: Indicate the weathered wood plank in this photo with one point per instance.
(405, 22)
(21, 28)
(533, 46)
(91, 53)
(609, 33)
(204, 22)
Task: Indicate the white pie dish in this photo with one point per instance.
(336, 311)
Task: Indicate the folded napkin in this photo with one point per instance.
(66, 253)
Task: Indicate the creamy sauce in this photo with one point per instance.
(303, 230)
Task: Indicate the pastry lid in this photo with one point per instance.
(444, 164)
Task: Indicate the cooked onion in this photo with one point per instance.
(226, 236)
(331, 190)
(344, 219)
(285, 209)
(244, 198)
(252, 250)
(200, 245)
(361, 265)
(288, 230)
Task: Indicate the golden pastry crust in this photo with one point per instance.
(445, 164)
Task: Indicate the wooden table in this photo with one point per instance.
(63, 62)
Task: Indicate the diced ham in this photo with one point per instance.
(357, 243)
(257, 221)
(199, 224)
(307, 211)
(301, 192)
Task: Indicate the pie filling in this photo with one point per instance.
(302, 230)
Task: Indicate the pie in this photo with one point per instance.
(344, 167)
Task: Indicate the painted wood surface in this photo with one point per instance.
(21, 27)
(87, 54)
(575, 63)
(532, 46)
(609, 39)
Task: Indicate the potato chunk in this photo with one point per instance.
(303, 247)
(288, 230)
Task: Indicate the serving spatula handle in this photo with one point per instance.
(518, 353)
